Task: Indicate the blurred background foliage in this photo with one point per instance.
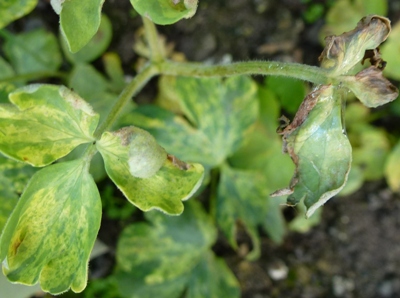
(228, 125)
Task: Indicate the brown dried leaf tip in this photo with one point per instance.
(371, 87)
(343, 52)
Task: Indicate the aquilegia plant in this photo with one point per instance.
(51, 232)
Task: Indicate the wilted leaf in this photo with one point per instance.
(343, 52)
(316, 142)
(164, 12)
(11, 10)
(95, 47)
(33, 51)
(371, 88)
(219, 114)
(170, 180)
(52, 230)
(45, 123)
(242, 196)
(79, 21)
(170, 254)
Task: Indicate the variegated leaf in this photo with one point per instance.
(45, 123)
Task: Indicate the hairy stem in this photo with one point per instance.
(130, 90)
(312, 74)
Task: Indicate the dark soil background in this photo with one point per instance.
(355, 250)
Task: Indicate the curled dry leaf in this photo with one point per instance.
(371, 87)
(343, 52)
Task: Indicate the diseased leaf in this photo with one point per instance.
(219, 114)
(169, 180)
(165, 12)
(96, 46)
(52, 230)
(242, 196)
(11, 10)
(33, 51)
(79, 21)
(319, 148)
(162, 258)
(343, 52)
(371, 88)
(45, 123)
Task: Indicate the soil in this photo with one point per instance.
(355, 250)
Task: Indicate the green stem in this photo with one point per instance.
(312, 74)
(130, 90)
(156, 48)
(35, 76)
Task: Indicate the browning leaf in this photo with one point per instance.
(342, 52)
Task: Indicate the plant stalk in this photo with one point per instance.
(137, 83)
(309, 73)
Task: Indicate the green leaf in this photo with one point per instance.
(52, 230)
(5, 90)
(219, 114)
(370, 151)
(163, 257)
(390, 50)
(392, 168)
(6, 71)
(169, 180)
(290, 92)
(342, 16)
(165, 12)
(79, 22)
(242, 196)
(11, 10)
(318, 146)
(97, 45)
(45, 123)
(97, 91)
(212, 278)
(33, 51)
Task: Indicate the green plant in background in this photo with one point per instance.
(223, 129)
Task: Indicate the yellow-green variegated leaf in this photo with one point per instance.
(218, 114)
(159, 258)
(11, 10)
(44, 123)
(147, 176)
(52, 230)
(13, 178)
(316, 142)
(242, 196)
